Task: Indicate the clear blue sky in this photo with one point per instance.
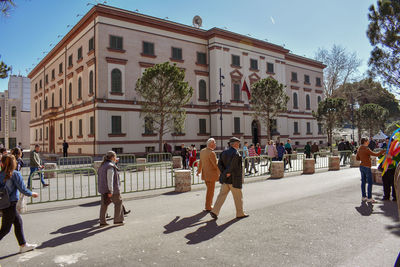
(303, 26)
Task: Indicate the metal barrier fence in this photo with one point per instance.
(126, 159)
(159, 157)
(65, 184)
(196, 179)
(256, 166)
(345, 157)
(75, 162)
(322, 159)
(294, 162)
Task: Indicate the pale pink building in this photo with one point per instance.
(83, 91)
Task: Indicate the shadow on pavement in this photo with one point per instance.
(389, 209)
(91, 204)
(74, 233)
(177, 225)
(8, 256)
(365, 209)
(209, 231)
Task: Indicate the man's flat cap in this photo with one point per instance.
(234, 139)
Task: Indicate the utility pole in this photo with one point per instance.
(221, 77)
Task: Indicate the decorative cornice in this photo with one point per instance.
(116, 60)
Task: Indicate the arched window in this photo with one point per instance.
(52, 100)
(40, 107)
(45, 103)
(79, 88)
(70, 93)
(60, 97)
(14, 111)
(91, 82)
(36, 109)
(116, 81)
(319, 99)
(308, 102)
(202, 90)
(295, 102)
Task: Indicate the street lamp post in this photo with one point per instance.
(221, 77)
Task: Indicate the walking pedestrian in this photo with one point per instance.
(245, 157)
(272, 152)
(193, 156)
(109, 187)
(184, 156)
(288, 148)
(364, 155)
(314, 151)
(36, 165)
(208, 168)
(258, 151)
(22, 150)
(307, 150)
(231, 179)
(252, 155)
(18, 157)
(65, 149)
(13, 181)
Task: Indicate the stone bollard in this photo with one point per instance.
(96, 165)
(141, 161)
(334, 163)
(183, 180)
(376, 175)
(277, 169)
(373, 161)
(177, 162)
(354, 162)
(308, 166)
(50, 166)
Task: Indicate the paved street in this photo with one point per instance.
(309, 220)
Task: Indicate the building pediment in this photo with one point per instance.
(236, 74)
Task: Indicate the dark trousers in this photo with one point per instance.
(184, 165)
(65, 153)
(10, 217)
(388, 183)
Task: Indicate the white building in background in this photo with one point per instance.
(19, 87)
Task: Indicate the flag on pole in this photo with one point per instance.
(246, 89)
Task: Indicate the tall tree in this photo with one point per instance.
(4, 69)
(384, 35)
(268, 98)
(6, 6)
(341, 66)
(330, 113)
(373, 118)
(164, 93)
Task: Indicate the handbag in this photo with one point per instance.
(22, 204)
(4, 198)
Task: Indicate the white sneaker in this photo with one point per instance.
(371, 200)
(364, 199)
(27, 247)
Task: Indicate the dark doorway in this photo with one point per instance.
(52, 139)
(255, 130)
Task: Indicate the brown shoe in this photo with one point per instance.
(244, 216)
(213, 215)
(104, 224)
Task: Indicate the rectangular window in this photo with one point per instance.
(270, 67)
(202, 126)
(40, 134)
(40, 84)
(47, 133)
(235, 60)
(236, 92)
(35, 87)
(70, 61)
(116, 42)
(308, 127)
(319, 128)
(91, 125)
(70, 128)
(12, 142)
(91, 44)
(148, 48)
(36, 135)
(115, 124)
(236, 123)
(254, 64)
(296, 127)
(118, 150)
(148, 125)
(47, 78)
(53, 74)
(60, 68)
(202, 58)
(306, 79)
(61, 130)
(79, 52)
(80, 127)
(318, 81)
(13, 125)
(177, 53)
(294, 76)
(150, 149)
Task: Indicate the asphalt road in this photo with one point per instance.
(309, 220)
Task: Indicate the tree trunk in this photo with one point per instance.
(161, 134)
(268, 122)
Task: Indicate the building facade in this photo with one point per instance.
(83, 91)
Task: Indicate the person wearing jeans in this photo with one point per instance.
(36, 164)
(364, 155)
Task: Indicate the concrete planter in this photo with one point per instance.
(308, 166)
(354, 162)
(50, 166)
(141, 161)
(177, 162)
(334, 163)
(277, 169)
(183, 181)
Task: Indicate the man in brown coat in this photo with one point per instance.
(208, 167)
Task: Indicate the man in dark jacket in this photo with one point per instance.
(65, 149)
(231, 179)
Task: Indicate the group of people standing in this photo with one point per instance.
(189, 156)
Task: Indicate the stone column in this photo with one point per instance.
(50, 166)
(177, 162)
(334, 163)
(308, 166)
(277, 169)
(141, 161)
(96, 165)
(183, 180)
(354, 162)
